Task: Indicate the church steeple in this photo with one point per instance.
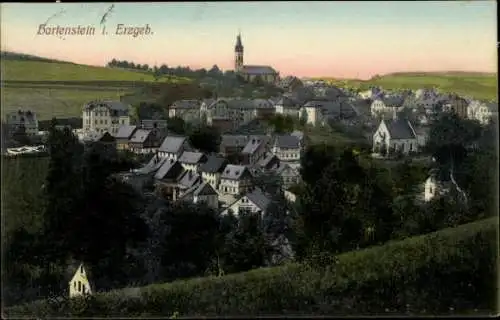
(238, 54)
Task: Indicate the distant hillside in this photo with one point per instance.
(8, 55)
(38, 71)
(475, 84)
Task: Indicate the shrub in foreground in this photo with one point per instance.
(452, 271)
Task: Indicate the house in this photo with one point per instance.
(386, 104)
(254, 201)
(205, 105)
(232, 144)
(235, 179)
(187, 180)
(192, 160)
(143, 141)
(187, 110)
(290, 83)
(436, 185)
(268, 162)
(80, 284)
(288, 106)
(158, 127)
(22, 120)
(166, 178)
(173, 146)
(289, 175)
(123, 136)
(395, 135)
(455, 104)
(482, 111)
(287, 148)
(105, 116)
(212, 169)
(202, 193)
(255, 148)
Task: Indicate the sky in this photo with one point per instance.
(352, 39)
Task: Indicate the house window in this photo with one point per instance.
(83, 288)
(74, 285)
(411, 146)
(81, 269)
(79, 286)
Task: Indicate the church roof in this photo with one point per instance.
(238, 47)
(258, 70)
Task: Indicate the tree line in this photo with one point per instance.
(165, 70)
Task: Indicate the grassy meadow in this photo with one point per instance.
(481, 86)
(60, 89)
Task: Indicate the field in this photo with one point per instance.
(449, 272)
(477, 85)
(61, 89)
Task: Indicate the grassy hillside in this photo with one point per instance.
(18, 70)
(452, 271)
(474, 84)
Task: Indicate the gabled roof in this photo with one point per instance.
(287, 141)
(258, 70)
(189, 157)
(268, 159)
(204, 189)
(214, 164)
(287, 102)
(170, 169)
(185, 104)
(234, 172)
(285, 167)
(172, 144)
(254, 142)
(230, 140)
(154, 164)
(140, 136)
(125, 131)
(399, 129)
(393, 102)
(260, 199)
(188, 179)
(298, 134)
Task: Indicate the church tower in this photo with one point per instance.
(238, 54)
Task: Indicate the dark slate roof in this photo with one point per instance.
(229, 140)
(125, 131)
(287, 102)
(149, 124)
(140, 136)
(172, 144)
(393, 102)
(214, 164)
(399, 129)
(268, 159)
(260, 199)
(185, 104)
(234, 172)
(239, 46)
(254, 142)
(189, 157)
(204, 189)
(287, 141)
(258, 70)
(298, 134)
(315, 104)
(153, 165)
(208, 102)
(169, 169)
(286, 167)
(188, 179)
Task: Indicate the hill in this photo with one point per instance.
(40, 71)
(452, 271)
(478, 85)
(8, 55)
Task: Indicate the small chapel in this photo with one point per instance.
(248, 72)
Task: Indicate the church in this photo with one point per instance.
(250, 73)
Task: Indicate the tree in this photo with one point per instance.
(303, 118)
(177, 125)
(205, 139)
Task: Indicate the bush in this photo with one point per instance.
(451, 271)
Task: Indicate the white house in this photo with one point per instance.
(386, 104)
(188, 110)
(105, 116)
(192, 160)
(255, 149)
(288, 174)
(397, 135)
(482, 111)
(80, 283)
(212, 169)
(173, 146)
(254, 201)
(22, 119)
(435, 187)
(287, 148)
(235, 180)
(313, 112)
(202, 193)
